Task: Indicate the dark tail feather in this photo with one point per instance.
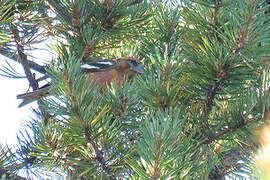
(33, 96)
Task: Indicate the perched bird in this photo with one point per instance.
(101, 72)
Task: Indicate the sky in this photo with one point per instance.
(14, 119)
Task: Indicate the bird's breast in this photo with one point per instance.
(106, 78)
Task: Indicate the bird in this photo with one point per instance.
(101, 72)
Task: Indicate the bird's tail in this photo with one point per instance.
(33, 96)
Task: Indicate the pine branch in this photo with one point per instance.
(215, 13)
(60, 10)
(231, 158)
(242, 39)
(212, 91)
(224, 130)
(98, 153)
(87, 133)
(229, 163)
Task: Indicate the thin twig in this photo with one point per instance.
(43, 78)
(61, 11)
(23, 58)
(32, 64)
(211, 94)
(10, 175)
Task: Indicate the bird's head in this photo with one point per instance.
(127, 64)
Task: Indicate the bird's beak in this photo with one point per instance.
(139, 69)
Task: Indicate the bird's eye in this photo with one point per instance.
(135, 63)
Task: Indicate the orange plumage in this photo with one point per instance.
(102, 72)
(123, 69)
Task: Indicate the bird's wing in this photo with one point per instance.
(98, 66)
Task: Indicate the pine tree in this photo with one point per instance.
(191, 116)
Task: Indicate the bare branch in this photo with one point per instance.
(23, 58)
(32, 64)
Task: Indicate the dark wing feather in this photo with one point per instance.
(98, 66)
